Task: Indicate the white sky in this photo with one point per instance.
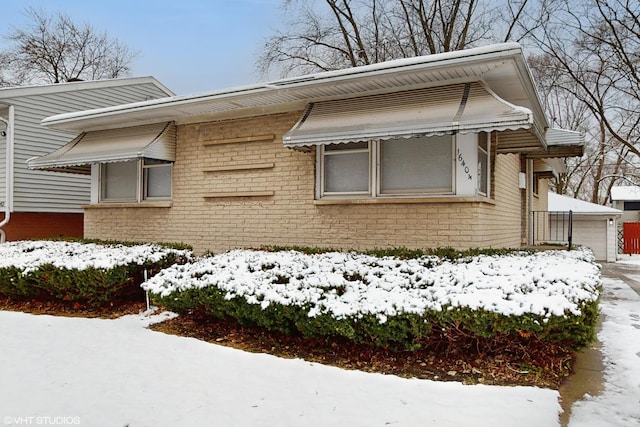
(191, 46)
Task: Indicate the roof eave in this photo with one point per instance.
(21, 91)
(296, 89)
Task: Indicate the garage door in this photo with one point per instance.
(593, 234)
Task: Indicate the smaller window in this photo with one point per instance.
(346, 168)
(157, 179)
(483, 163)
(632, 206)
(135, 181)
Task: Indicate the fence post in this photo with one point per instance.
(570, 230)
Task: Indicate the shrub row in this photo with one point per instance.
(404, 331)
(444, 253)
(43, 278)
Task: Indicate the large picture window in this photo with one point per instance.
(398, 167)
(135, 181)
(416, 165)
(420, 166)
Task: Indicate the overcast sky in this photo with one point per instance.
(191, 46)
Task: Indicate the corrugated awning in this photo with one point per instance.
(562, 137)
(155, 141)
(464, 108)
(560, 143)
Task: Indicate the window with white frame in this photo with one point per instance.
(135, 181)
(483, 164)
(156, 179)
(406, 167)
(346, 168)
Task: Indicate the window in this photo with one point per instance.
(135, 181)
(118, 181)
(416, 165)
(157, 179)
(400, 167)
(346, 168)
(483, 163)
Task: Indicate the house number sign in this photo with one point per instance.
(462, 162)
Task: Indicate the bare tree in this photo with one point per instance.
(333, 34)
(585, 57)
(54, 49)
(592, 50)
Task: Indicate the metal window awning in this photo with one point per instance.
(464, 108)
(154, 141)
(560, 143)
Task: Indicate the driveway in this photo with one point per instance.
(628, 273)
(606, 383)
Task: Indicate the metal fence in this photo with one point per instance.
(551, 227)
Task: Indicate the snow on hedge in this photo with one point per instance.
(350, 284)
(30, 255)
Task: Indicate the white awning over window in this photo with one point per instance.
(466, 107)
(562, 137)
(155, 141)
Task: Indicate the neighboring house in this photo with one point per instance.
(627, 199)
(593, 225)
(35, 204)
(451, 149)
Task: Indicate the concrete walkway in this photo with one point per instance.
(589, 369)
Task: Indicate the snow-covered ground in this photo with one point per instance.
(116, 373)
(619, 403)
(95, 372)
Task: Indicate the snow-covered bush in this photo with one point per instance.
(387, 300)
(89, 273)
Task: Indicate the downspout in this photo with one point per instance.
(8, 183)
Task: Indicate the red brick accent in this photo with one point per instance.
(33, 225)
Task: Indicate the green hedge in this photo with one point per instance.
(443, 253)
(91, 287)
(403, 331)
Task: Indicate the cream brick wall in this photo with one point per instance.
(290, 216)
(500, 224)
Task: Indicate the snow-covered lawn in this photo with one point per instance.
(94, 372)
(100, 372)
(116, 373)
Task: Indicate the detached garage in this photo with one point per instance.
(594, 225)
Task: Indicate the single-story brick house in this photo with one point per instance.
(37, 204)
(452, 149)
